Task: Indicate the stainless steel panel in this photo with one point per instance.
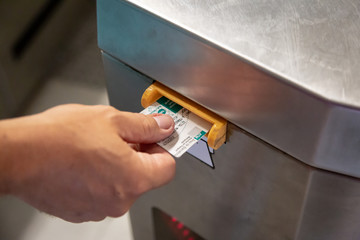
(125, 86)
(254, 192)
(330, 208)
(271, 68)
(261, 66)
(311, 43)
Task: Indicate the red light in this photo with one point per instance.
(191, 238)
(186, 232)
(180, 225)
(173, 219)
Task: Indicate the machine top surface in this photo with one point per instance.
(285, 71)
(309, 43)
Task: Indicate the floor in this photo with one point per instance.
(77, 78)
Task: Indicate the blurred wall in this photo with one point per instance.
(31, 35)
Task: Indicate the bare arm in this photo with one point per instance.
(83, 163)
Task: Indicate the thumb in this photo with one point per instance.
(140, 128)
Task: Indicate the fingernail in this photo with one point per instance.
(164, 121)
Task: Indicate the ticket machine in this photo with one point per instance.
(284, 76)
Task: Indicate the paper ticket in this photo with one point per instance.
(189, 128)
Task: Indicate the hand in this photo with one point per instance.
(83, 163)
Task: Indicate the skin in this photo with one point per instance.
(84, 163)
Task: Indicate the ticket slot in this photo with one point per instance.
(217, 134)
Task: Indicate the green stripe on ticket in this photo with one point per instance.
(172, 106)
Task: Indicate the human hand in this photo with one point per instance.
(83, 163)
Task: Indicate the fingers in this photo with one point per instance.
(82, 217)
(158, 165)
(140, 128)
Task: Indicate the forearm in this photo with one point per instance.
(14, 147)
(6, 155)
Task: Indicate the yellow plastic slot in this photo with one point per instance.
(217, 134)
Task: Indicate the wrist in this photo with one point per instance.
(13, 151)
(5, 156)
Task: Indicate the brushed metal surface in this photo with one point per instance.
(254, 192)
(314, 44)
(198, 49)
(124, 86)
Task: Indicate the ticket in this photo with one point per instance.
(189, 128)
